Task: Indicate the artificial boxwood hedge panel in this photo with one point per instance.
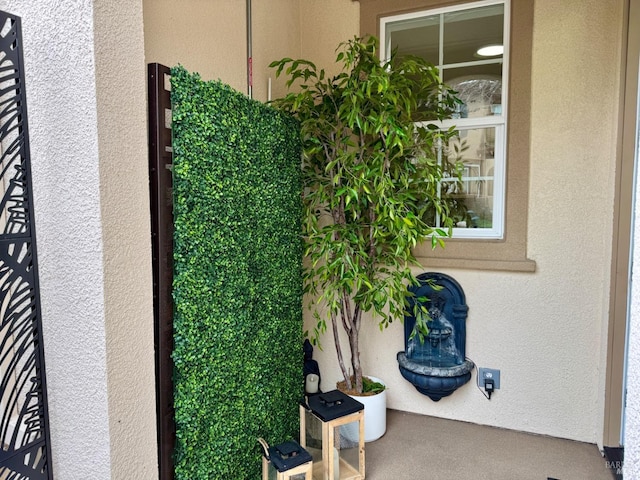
(237, 279)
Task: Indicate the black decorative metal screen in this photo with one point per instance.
(24, 429)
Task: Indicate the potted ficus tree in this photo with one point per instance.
(372, 161)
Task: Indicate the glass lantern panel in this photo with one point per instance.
(273, 474)
(347, 443)
(313, 436)
(343, 451)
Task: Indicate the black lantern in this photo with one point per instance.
(286, 461)
(332, 430)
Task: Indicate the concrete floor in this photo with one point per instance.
(417, 447)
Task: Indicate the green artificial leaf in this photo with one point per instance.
(237, 278)
(371, 171)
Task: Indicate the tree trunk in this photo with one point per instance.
(355, 357)
(336, 339)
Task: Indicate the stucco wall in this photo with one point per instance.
(65, 163)
(205, 37)
(126, 236)
(324, 25)
(211, 38)
(86, 100)
(544, 331)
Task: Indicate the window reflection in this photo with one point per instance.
(466, 31)
(472, 194)
(481, 95)
(450, 38)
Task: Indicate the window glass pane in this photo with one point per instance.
(419, 37)
(466, 31)
(480, 92)
(472, 196)
(451, 39)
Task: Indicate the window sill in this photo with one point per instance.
(524, 265)
(476, 254)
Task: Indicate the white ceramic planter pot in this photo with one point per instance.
(375, 413)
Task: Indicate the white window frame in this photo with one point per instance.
(499, 122)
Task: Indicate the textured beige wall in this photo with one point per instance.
(58, 44)
(545, 331)
(324, 25)
(126, 236)
(211, 38)
(90, 186)
(204, 36)
(276, 34)
(576, 202)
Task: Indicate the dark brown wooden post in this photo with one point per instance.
(160, 178)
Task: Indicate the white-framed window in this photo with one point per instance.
(453, 39)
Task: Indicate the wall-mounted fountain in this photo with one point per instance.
(435, 363)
